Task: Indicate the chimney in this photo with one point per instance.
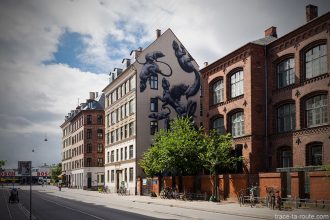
(206, 64)
(91, 95)
(311, 12)
(271, 32)
(158, 33)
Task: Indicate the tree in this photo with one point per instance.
(56, 171)
(174, 151)
(2, 163)
(216, 151)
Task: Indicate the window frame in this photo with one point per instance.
(285, 72)
(237, 84)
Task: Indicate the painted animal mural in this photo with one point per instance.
(151, 68)
(171, 94)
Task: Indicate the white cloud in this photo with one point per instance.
(35, 97)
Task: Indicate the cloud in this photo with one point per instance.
(36, 95)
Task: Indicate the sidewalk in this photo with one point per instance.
(224, 207)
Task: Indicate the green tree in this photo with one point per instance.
(2, 163)
(216, 152)
(56, 171)
(174, 151)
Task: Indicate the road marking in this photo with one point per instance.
(76, 210)
(3, 195)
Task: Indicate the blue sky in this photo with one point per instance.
(53, 53)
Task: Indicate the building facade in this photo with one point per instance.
(83, 144)
(162, 82)
(272, 95)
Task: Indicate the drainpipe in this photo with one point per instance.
(266, 104)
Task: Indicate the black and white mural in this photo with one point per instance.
(173, 95)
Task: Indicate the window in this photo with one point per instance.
(125, 156)
(286, 118)
(121, 133)
(131, 174)
(125, 175)
(100, 162)
(89, 148)
(122, 112)
(154, 104)
(236, 84)
(121, 154)
(218, 125)
(108, 157)
(112, 140)
(123, 89)
(112, 158)
(132, 82)
(316, 61)
(112, 176)
(117, 135)
(285, 157)
(89, 133)
(99, 119)
(89, 119)
(99, 148)
(154, 82)
(117, 154)
(237, 124)
(131, 128)
(314, 154)
(130, 151)
(132, 106)
(127, 86)
(113, 117)
(218, 92)
(153, 127)
(316, 111)
(285, 73)
(108, 176)
(89, 162)
(126, 109)
(99, 133)
(126, 131)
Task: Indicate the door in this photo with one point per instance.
(89, 180)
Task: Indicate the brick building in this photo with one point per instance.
(272, 94)
(83, 144)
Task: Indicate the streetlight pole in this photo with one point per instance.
(30, 190)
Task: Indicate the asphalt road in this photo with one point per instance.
(48, 207)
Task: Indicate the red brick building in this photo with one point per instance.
(83, 144)
(273, 96)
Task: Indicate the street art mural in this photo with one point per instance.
(172, 94)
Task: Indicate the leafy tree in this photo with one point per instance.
(55, 172)
(2, 163)
(216, 151)
(174, 151)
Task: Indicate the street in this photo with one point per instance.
(45, 206)
(49, 203)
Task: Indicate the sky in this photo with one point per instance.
(53, 53)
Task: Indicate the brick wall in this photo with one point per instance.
(276, 180)
(320, 185)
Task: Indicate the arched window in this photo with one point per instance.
(316, 113)
(316, 61)
(218, 91)
(314, 155)
(284, 157)
(218, 125)
(285, 73)
(236, 84)
(286, 118)
(237, 124)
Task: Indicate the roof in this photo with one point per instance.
(264, 41)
